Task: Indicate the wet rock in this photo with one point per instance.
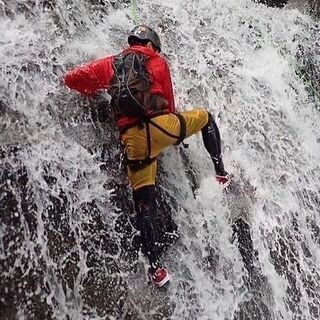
(315, 8)
(273, 3)
(311, 7)
(62, 255)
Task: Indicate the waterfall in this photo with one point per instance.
(69, 246)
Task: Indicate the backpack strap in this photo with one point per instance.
(183, 129)
(163, 130)
(136, 165)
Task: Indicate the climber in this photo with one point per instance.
(139, 82)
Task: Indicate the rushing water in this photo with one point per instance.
(69, 248)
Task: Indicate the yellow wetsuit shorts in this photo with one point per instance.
(135, 142)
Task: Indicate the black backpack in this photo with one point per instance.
(130, 86)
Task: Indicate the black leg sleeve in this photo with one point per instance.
(212, 143)
(145, 206)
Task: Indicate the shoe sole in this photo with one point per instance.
(163, 282)
(226, 184)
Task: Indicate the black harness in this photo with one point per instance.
(136, 165)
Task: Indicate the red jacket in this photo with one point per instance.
(96, 75)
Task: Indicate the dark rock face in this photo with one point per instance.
(42, 247)
(315, 8)
(311, 7)
(308, 68)
(28, 274)
(273, 3)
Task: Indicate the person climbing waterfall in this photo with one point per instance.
(139, 82)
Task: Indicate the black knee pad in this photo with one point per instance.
(145, 206)
(211, 124)
(144, 197)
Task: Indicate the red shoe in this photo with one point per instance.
(224, 181)
(160, 277)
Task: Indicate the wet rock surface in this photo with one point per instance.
(273, 3)
(42, 248)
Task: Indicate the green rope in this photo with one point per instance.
(134, 12)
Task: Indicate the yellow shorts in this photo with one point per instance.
(135, 142)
